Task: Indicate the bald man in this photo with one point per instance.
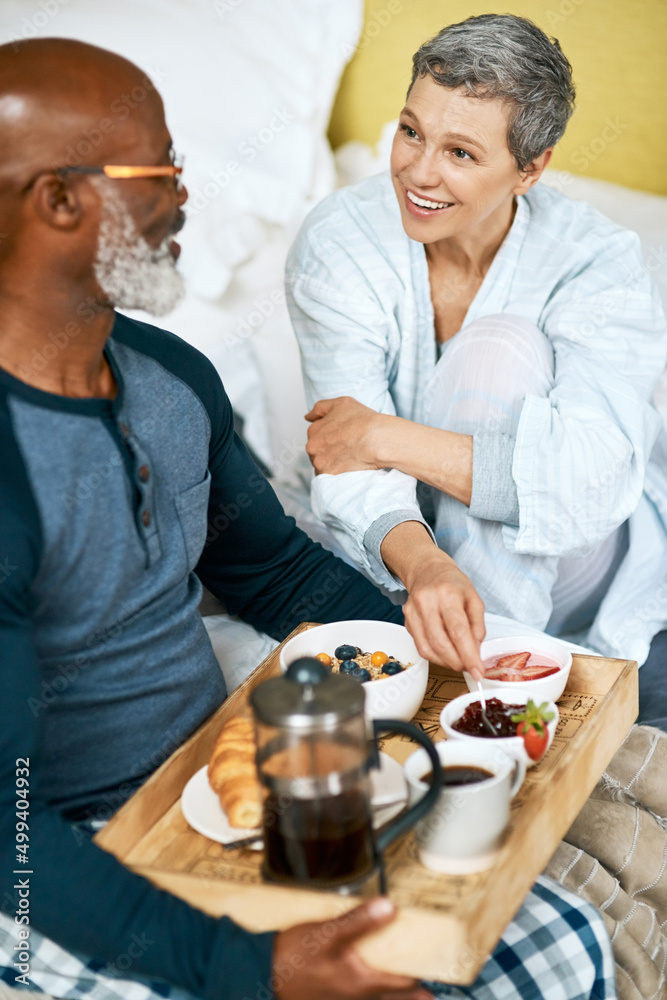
(123, 487)
(118, 458)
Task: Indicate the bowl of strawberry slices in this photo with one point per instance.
(535, 665)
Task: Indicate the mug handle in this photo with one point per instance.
(519, 775)
(408, 819)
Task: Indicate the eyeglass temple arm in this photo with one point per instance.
(119, 172)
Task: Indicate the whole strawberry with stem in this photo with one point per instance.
(532, 726)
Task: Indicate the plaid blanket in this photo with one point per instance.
(556, 948)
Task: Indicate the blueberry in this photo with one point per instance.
(346, 652)
(392, 667)
(360, 674)
(348, 667)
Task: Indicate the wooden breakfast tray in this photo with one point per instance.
(447, 925)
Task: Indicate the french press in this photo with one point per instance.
(313, 759)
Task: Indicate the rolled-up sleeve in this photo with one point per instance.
(581, 453)
(343, 331)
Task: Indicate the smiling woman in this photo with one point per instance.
(462, 326)
(456, 182)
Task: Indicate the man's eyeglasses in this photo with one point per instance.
(117, 171)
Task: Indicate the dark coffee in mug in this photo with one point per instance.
(461, 774)
(326, 841)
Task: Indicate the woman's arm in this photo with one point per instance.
(349, 340)
(443, 613)
(345, 436)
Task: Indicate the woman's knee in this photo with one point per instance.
(510, 345)
(487, 370)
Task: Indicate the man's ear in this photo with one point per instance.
(531, 174)
(56, 202)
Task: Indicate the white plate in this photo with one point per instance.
(389, 791)
(201, 806)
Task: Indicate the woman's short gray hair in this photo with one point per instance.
(510, 58)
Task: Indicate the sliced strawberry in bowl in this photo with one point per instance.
(513, 661)
(498, 674)
(537, 670)
(539, 664)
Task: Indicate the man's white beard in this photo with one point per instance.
(132, 274)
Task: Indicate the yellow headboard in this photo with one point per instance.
(618, 51)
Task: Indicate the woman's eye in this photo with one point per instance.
(461, 154)
(408, 131)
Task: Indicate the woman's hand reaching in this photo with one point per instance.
(444, 614)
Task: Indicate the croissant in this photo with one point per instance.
(232, 774)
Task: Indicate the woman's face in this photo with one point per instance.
(450, 150)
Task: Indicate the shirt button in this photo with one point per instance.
(125, 430)
(144, 473)
(146, 518)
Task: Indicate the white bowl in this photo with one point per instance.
(506, 744)
(397, 697)
(546, 688)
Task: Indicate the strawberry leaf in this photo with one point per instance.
(535, 715)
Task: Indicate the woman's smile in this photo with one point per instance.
(422, 207)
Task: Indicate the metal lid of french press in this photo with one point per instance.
(307, 697)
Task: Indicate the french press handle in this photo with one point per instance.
(408, 819)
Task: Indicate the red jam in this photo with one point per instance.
(497, 712)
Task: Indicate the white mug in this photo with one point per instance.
(464, 829)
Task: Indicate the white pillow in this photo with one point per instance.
(248, 87)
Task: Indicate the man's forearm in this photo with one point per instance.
(442, 459)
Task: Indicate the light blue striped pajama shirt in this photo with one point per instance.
(359, 297)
